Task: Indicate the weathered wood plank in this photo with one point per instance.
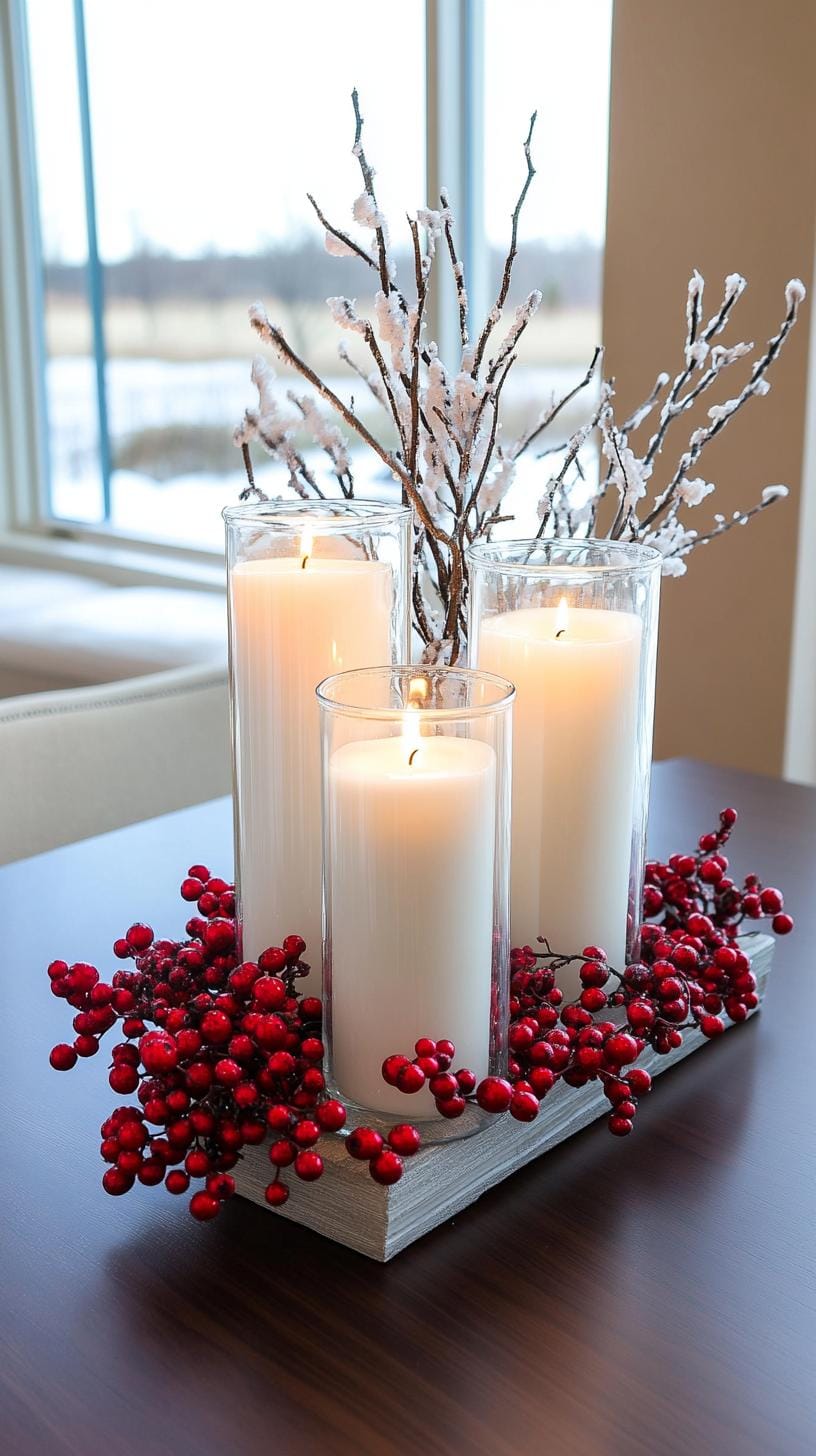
(349, 1207)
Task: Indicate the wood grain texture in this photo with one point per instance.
(650, 1296)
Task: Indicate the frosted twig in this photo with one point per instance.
(495, 313)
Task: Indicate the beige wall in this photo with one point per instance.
(713, 165)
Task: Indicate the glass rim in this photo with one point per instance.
(506, 692)
(490, 555)
(348, 515)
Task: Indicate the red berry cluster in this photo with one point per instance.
(225, 1055)
(384, 1155)
(221, 1055)
(692, 971)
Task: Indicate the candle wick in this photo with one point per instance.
(303, 563)
(560, 632)
(412, 755)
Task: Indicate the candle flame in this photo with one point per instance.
(306, 544)
(561, 618)
(411, 732)
(417, 691)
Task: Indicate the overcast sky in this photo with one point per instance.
(211, 118)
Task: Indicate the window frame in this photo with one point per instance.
(454, 152)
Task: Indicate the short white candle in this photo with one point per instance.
(576, 671)
(412, 834)
(295, 619)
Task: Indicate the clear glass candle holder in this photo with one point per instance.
(574, 625)
(314, 587)
(416, 815)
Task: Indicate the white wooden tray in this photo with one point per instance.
(349, 1207)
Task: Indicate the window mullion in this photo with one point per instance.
(96, 297)
(455, 154)
(23, 417)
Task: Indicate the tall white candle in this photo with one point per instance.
(576, 672)
(294, 621)
(411, 883)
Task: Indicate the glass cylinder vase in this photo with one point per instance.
(314, 587)
(574, 625)
(416, 804)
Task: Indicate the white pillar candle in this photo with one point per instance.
(412, 833)
(576, 671)
(294, 621)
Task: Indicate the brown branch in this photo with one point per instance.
(458, 272)
(368, 182)
(553, 414)
(341, 236)
(504, 289)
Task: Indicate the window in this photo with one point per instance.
(174, 148)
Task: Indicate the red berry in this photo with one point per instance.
(451, 1106)
(276, 1194)
(620, 1048)
(641, 1013)
(445, 1049)
(158, 1052)
(312, 1049)
(219, 935)
(191, 889)
(294, 946)
(410, 1078)
(639, 1080)
(115, 1181)
(391, 1067)
(63, 1057)
(139, 937)
(386, 1167)
(269, 992)
(364, 1143)
(494, 1094)
(523, 1106)
(216, 1026)
(123, 1079)
(273, 960)
(281, 1064)
(306, 1133)
(308, 1165)
(203, 1205)
(278, 1117)
(220, 1185)
(404, 1139)
(466, 1081)
(282, 1153)
(782, 924)
(86, 1046)
(425, 1047)
(331, 1115)
(151, 1172)
(176, 1181)
(443, 1085)
(619, 1125)
(270, 1032)
(197, 1163)
(311, 1008)
(712, 1026)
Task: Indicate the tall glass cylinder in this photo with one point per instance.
(416, 813)
(574, 625)
(314, 587)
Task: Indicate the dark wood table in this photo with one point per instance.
(649, 1296)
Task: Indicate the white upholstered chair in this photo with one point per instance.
(83, 760)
